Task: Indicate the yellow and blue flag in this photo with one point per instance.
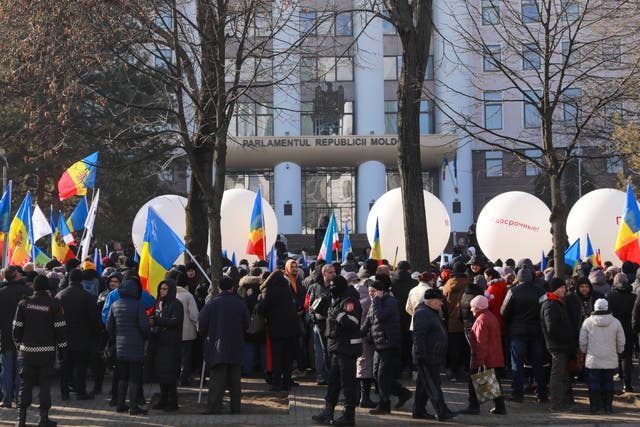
(21, 247)
(5, 215)
(376, 250)
(78, 217)
(627, 247)
(572, 254)
(160, 249)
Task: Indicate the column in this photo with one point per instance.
(287, 188)
(371, 184)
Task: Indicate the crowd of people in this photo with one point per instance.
(357, 327)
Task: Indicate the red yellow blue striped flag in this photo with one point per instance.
(80, 176)
(376, 251)
(21, 247)
(255, 246)
(627, 247)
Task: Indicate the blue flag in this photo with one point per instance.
(97, 260)
(273, 260)
(543, 262)
(5, 210)
(572, 254)
(76, 220)
(346, 243)
(233, 259)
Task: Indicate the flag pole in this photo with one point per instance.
(84, 230)
(195, 261)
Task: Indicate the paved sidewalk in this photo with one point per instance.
(308, 399)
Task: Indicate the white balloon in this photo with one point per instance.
(170, 208)
(235, 212)
(514, 225)
(388, 211)
(597, 213)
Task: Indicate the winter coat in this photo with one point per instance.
(190, 321)
(601, 340)
(91, 282)
(279, 307)
(364, 363)
(148, 301)
(429, 336)
(416, 297)
(401, 285)
(222, 322)
(10, 295)
(81, 313)
(621, 302)
(486, 342)
(167, 335)
(521, 310)
(467, 317)
(382, 324)
(556, 326)
(128, 322)
(453, 291)
(599, 282)
(498, 291)
(249, 291)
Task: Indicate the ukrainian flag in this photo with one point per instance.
(21, 247)
(80, 176)
(160, 249)
(78, 216)
(256, 229)
(376, 251)
(627, 247)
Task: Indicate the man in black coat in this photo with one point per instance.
(621, 301)
(81, 314)
(10, 295)
(39, 329)
(401, 284)
(429, 351)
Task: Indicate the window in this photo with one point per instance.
(252, 119)
(388, 29)
(614, 165)
(429, 72)
(532, 169)
(308, 66)
(493, 110)
(391, 117)
(262, 23)
(309, 126)
(162, 58)
(611, 53)
(392, 67)
(164, 21)
(530, 13)
(344, 24)
(326, 68)
(569, 53)
(307, 23)
(490, 12)
(530, 57)
(492, 57)
(426, 117)
(571, 106)
(531, 115)
(264, 68)
(570, 10)
(493, 163)
(340, 24)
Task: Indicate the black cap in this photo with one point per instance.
(226, 283)
(339, 281)
(556, 283)
(75, 275)
(433, 294)
(41, 283)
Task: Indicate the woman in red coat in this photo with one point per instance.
(486, 351)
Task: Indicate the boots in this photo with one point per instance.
(608, 401)
(121, 397)
(594, 401)
(134, 409)
(347, 419)
(365, 391)
(324, 417)
(22, 417)
(500, 408)
(164, 396)
(44, 419)
(172, 398)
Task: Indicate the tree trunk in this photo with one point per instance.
(558, 221)
(197, 220)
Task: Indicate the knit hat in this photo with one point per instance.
(601, 305)
(459, 267)
(426, 276)
(479, 302)
(75, 275)
(525, 276)
(556, 283)
(379, 285)
(88, 265)
(403, 265)
(433, 294)
(41, 283)
(226, 283)
(620, 281)
(351, 276)
(597, 277)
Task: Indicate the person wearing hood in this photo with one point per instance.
(621, 301)
(189, 326)
(458, 349)
(128, 323)
(166, 323)
(580, 302)
(90, 278)
(599, 282)
(148, 301)
(344, 345)
(81, 313)
(629, 268)
(561, 342)
(602, 338)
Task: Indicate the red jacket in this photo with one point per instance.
(486, 343)
(498, 289)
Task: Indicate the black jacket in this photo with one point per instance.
(556, 326)
(429, 336)
(401, 284)
(10, 295)
(343, 325)
(167, 328)
(621, 301)
(39, 329)
(521, 310)
(81, 313)
(382, 323)
(279, 307)
(467, 317)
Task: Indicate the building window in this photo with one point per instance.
(612, 53)
(531, 169)
(570, 10)
(307, 23)
(530, 57)
(493, 110)
(252, 119)
(426, 117)
(570, 53)
(326, 191)
(391, 117)
(614, 165)
(530, 12)
(340, 24)
(326, 68)
(571, 106)
(490, 12)
(344, 24)
(492, 57)
(162, 58)
(493, 163)
(531, 100)
(319, 126)
(429, 72)
(392, 67)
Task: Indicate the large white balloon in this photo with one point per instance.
(597, 213)
(170, 207)
(514, 225)
(388, 211)
(235, 212)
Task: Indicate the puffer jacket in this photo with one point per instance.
(498, 291)
(383, 323)
(429, 336)
(484, 340)
(128, 322)
(601, 340)
(453, 291)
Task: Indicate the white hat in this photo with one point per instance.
(601, 305)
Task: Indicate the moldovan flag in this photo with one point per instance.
(376, 251)
(331, 242)
(21, 247)
(160, 249)
(59, 248)
(627, 247)
(256, 229)
(80, 176)
(5, 215)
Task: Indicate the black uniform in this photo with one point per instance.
(344, 345)
(39, 329)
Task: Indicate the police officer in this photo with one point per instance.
(38, 329)
(344, 345)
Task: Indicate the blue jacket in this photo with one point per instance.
(383, 323)
(129, 324)
(429, 336)
(222, 323)
(147, 300)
